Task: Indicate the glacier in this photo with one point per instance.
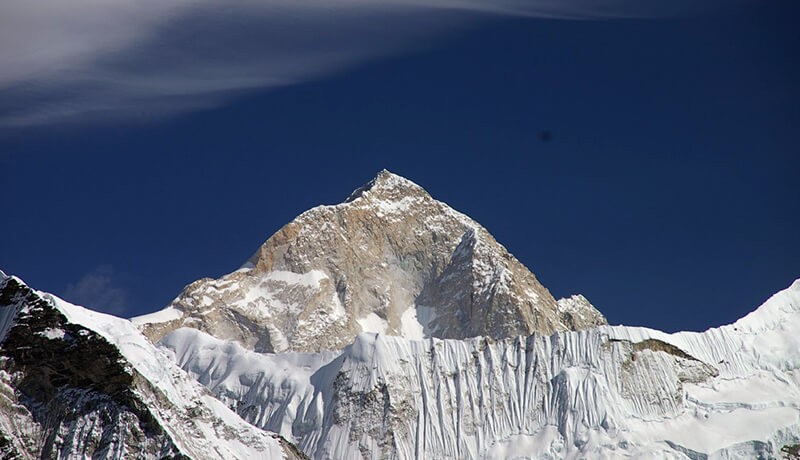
(607, 392)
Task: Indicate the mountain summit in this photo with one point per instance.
(390, 259)
(388, 186)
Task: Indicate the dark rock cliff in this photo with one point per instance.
(66, 388)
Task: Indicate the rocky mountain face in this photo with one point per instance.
(79, 384)
(390, 259)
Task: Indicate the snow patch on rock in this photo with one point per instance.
(373, 323)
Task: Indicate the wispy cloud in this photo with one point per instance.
(139, 59)
(99, 290)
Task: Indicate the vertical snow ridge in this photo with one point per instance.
(609, 391)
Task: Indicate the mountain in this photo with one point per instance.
(389, 326)
(389, 259)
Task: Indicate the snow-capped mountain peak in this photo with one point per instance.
(387, 186)
(389, 259)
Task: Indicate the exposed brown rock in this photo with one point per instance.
(389, 259)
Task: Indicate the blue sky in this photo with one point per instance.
(665, 188)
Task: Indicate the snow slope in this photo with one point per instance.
(609, 392)
(207, 437)
(195, 423)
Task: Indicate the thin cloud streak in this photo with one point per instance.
(97, 60)
(98, 290)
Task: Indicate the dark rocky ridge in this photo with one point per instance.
(76, 389)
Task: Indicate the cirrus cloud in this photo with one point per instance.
(92, 60)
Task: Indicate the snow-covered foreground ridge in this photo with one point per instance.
(75, 383)
(608, 392)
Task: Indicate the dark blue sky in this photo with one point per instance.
(667, 193)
